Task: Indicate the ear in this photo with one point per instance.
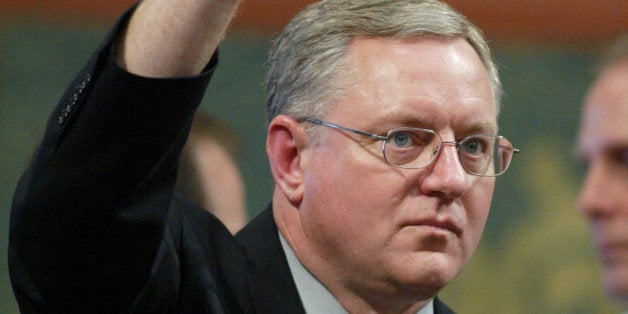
(284, 145)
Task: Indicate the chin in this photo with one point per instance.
(620, 297)
(616, 284)
(432, 272)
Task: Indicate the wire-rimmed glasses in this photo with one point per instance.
(416, 148)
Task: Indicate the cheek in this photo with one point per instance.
(348, 198)
(347, 195)
(478, 204)
(345, 175)
(333, 219)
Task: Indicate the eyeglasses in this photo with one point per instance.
(416, 148)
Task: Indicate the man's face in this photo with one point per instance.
(377, 230)
(603, 145)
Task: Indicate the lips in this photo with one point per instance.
(443, 224)
(613, 252)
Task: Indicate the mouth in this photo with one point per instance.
(613, 252)
(439, 224)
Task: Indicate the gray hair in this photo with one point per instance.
(306, 61)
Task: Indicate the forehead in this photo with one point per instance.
(605, 114)
(438, 80)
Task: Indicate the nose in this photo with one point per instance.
(446, 177)
(596, 196)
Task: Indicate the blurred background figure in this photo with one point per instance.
(208, 173)
(603, 146)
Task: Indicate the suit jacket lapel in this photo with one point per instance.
(273, 287)
(441, 308)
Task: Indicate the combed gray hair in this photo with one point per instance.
(306, 61)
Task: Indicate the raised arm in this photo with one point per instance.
(91, 220)
(174, 38)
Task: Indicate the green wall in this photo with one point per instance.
(535, 256)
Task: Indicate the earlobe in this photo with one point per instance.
(284, 145)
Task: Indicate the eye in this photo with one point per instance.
(621, 156)
(473, 146)
(411, 138)
(401, 139)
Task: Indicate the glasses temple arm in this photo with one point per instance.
(335, 126)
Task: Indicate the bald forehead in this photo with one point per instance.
(605, 114)
(611, 84)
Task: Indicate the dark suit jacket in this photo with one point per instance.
(94, 223)
(95, 226)
(273, 288)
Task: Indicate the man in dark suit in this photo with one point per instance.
(382, 144)
(381, 141)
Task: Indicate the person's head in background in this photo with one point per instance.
(208, 173)
(603, 146)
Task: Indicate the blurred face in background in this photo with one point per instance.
(603, 145)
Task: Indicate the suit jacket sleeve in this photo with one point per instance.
(89, 215)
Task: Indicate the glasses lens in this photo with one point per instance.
(504, 150)
(485, 155)
(411, 147)
(415, 148)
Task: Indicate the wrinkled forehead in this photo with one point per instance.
(429, 83)
(436, 69)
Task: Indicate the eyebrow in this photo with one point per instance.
(617, 148)
(483, 127)
(610, 148)
(476, 127)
